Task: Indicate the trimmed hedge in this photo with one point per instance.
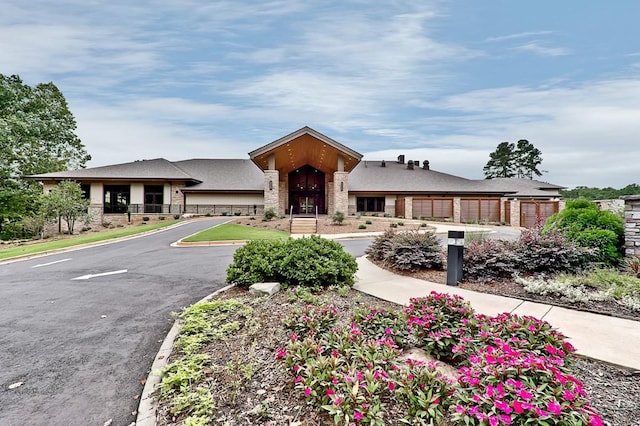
(310, 261)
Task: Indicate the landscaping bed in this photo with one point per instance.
(248, 385)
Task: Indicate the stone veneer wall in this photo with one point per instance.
(271, 192)
(632, 225)
(340, 198)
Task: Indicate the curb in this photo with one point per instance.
(148, 406)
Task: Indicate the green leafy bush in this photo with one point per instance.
(362, 226)
(407, 250)
(269, 214)
(255, 262)
(337, 218)
(311, 261)
(583, 222)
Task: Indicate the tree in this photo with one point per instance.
(501, 162)
(36, 136)
(527, 159)
(66, 200)
(509, 160)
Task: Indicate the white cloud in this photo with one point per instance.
(536, 48)
(525, 34)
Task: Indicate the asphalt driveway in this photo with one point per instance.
(80, 329)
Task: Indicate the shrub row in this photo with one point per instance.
(410, 250)
(535, 251)
(310, 261)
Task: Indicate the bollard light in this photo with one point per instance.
(455, 251)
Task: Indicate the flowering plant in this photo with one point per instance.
(438, 321)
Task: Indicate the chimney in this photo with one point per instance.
(410, 164)
(425, 164)
(383, 164)
(400, 159)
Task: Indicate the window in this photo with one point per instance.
(370, 204)
(86, 191)
(116, 198)
(153, 198)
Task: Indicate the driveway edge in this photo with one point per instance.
(148, 406)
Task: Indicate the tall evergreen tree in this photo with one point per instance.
(528, 158)
(509, 160)
(501, 162)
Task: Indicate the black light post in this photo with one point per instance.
(455, 250)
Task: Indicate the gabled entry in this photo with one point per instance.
(305, 170)
(307, 191)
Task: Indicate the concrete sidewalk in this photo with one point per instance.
(602, 337)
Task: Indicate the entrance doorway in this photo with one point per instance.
(306, 191)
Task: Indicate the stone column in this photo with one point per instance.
(457, 217)
(340, 192)
(632, 225)
(408, 207)
(272, 190)
(515, 212)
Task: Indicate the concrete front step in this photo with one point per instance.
(303, 226)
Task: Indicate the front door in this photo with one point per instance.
(306, 191)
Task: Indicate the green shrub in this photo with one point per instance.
(407, 250)
(337, 218)
(161, 218)
(269, 214)
(362, 226)
(581, 221)
(312, 261)
(176, 216)
(145, 218)
(368, 222)
(535, 251)
(315, 261)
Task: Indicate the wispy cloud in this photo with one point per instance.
(525, 34)
(536, 48)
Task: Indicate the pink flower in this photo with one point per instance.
(524, 394)
(307, 391)
(460, 409)
(541, 413)
(436, 401)
(330, 392)
(568, 395)
(281, 353)
(550, 349)
(554, 408)
(358, 416)
(387, 331)
(595, 420)
(392, 386)
(493, 421)
(503, 406)
(517, 407)
(337, 401)
(505, 419)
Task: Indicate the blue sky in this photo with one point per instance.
(444, 81)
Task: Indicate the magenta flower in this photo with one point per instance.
(281, 353)
(358, 416)
(392, 386)
(595, 420)
(554, 408)
(517, 407)
(330, 392)
(524, 394)
(503, 406)
(493, 420)
(505, 419)
(307, 391)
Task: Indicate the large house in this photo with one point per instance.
(306, 173)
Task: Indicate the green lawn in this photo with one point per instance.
(35, 248)
(230, 231)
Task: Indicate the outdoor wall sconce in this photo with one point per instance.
(270, 185)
